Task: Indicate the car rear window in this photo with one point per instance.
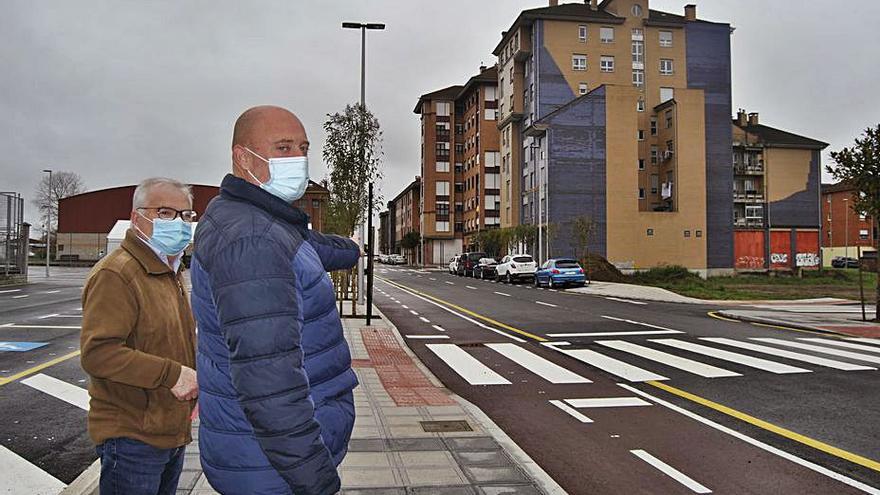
(567, 264)
(523, 259)
(476, 256)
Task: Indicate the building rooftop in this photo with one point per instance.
(486, 75)
(777, 137)
(447, 93)
(415, 184)
(838, 187)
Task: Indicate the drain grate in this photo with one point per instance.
(445, 426)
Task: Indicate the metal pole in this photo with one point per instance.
(861, 283)
(846, 229)
(49, 226)
(370, 254)
(360, 279)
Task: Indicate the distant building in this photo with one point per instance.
(845, 230)
(406, 218)
(384, 233)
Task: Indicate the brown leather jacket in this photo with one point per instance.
(137, 331)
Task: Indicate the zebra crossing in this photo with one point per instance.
(611, 356)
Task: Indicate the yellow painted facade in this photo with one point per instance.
(787, 171)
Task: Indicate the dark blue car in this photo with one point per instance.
(559, 272)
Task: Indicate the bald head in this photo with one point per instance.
(270, 132)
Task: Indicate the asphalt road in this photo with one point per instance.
(681, 414)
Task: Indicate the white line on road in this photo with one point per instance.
(432, 278)
(773, 351)
(467, 366)
(424, 319)
(414, 313)
(865, 339)
(753, 362)
(67, 392)
(840, 343)
(51, 292)
(607, 402)
(684, 364)
(469, 287)
(9, 291)
(404, 306)
(670, 471)
(438, 328)
(571, 412)
(47, 316)
(547, 370)
(761, 445)
(611, 334)
(639, 323)
(426, 337)
(611, 365)
(48, 327)
(68, 316)
(21, 297)
(448, 282)
(823, 350)
(546, 304)
(503, 294)
(640, 303)
(28, 477)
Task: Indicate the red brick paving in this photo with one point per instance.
(860, 331)
(403, 381)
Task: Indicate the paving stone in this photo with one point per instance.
(188, 479)
(509, 490)
(374, 491)
(472, 444)
(365, 459)
(479, 474)
(367, 445)
(191, 462)
(402, 411)
(402, 420)
(424, 459)
(365, 477)
(484, 459)
(414, 431)
(434, 476)
(443, 490)
(423, 444)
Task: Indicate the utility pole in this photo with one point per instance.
(49, 224)
(846, 230)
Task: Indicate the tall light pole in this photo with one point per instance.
(846, 231)
(369, 299)
(48, 223)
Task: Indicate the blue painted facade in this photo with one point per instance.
(708, 68)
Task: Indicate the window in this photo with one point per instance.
(443, 108)
(862, 217)
(442, 188)
(641, 193)
(653, 126)
(441, 150)
(666, 94)
(442, 227)
(442, 208)
(637, 10)
(655, 183)
(638, 78)
(316, 204)
(606, 64)
(490, 114)
(493, 181)
(670, 146)
(653, 154)
(863, 234)
(489, 93)
(582, 88)
(641, 164)
(492, 158)
(578, 62)
(459, 187)
(640, 105)
(641, 134)
(459, 147)
(638, 52)
(638, 34)
(666, 38)
(606, 34)
(443, 166)
(666, 66)
(668, 119)
(582, 33)
(650, 232)
(754, 212)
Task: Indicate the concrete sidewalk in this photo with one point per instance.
(844, 319)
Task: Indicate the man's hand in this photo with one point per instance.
(187, 386)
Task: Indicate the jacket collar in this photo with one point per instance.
(143, 254)
(241, 190)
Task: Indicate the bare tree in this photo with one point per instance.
(583, 228)
(48, 193)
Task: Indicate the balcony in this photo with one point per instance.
(743, 169)
(666, 190)
(752, 223)
(443, 136)
(748, 196)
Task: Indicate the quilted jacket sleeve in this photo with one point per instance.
(254, 289)
(336, 252)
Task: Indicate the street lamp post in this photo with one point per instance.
(48, 223)
(369, 299)
(846, 230)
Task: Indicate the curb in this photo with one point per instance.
(87, 482)
(781, 323)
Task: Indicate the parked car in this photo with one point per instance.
(559, 272)
(485, 269)
(515, 267)
(383, 258)
(467, 262)
(844, 262)
(453, 264)
(397, 259)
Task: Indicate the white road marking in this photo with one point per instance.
(670, 471)
(757, 443)
(414, 313)
(467, 366)
(571, 412)
(26, 477)
(438, 328)
(432, 278)
(469, 287)
(695, 367)
(503, 294)
(59, 389)
(607, 402)
(640, 303)
(773, 351)
(426, 337)
(547, 370)
(21, 297)
(553, 290)
(51, 292)
(753, 362)
(639, 323)
(612, 334)
(848, 345)
(68, 316)
(47, 327)
(424, 319)
(9, 291)
(611, 365)
(551, 344)
(823, 350)
(448, 282)
(864, 339)
(47, 316)
(546, 304)
(404, 306)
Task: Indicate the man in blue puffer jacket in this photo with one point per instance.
(275, 373)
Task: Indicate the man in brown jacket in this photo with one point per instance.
(138, 346)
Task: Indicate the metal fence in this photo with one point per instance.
(14, 234)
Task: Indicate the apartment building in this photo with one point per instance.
(845, 230)
(621, 113)
(405, 218)
(776, 212)
(460, 165)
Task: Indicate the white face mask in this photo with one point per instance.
(288, 176)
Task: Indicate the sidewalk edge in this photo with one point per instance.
(781, 323)
(87, 482)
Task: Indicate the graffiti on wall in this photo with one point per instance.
(807, 259)
(752, 262)
(779, 258)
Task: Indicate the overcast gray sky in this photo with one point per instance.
(117, 91)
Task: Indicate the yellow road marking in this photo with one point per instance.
(797, 437)
(469, 312)
(715, 315)
(31, 371)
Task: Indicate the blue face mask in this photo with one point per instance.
(170, 237)
(288, 176)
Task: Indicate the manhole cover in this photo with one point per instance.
(445, 426)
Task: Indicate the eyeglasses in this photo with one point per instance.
(167, 213)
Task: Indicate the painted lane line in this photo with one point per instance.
(432, 279)
(607, 402)
(51, 292)
(414, 313)
(28, 478)
(43, 327)
(553, 290)
(21, 297)
(438, 328)
(467, 366)
(551, 344)
(424, 319)
(9, 291)
(471, 288)
(751, 441)
(773, 351)
(640, 303)
(670, 471)
(448, 282)
(611, 365)
(865, 339)
(840, 343)
(547, 370)
(404, 306)
(640, 323)
(427, 337)
(67, 392)
(503, 294)
(611, 334)
(47, 316)
(571, 412)
(546, 304)
(695, 367)
(823, 350)
(68, 316)
(753, 362)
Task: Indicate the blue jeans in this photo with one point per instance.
(130, 467)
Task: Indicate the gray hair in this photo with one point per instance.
(140, 193)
